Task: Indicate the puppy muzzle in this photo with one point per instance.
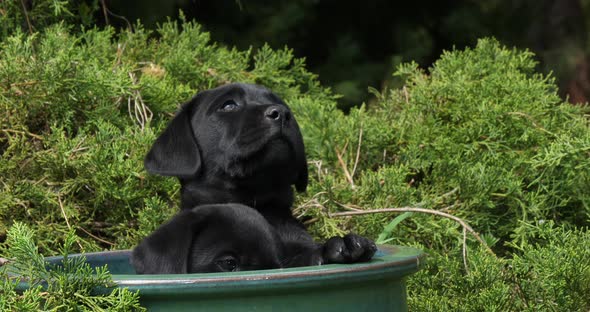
(278, 114)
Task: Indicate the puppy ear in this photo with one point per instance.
(175, 152)
(302, 177)
(166, 250)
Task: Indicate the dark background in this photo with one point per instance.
(356, 44)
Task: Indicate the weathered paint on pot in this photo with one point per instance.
(378, 285)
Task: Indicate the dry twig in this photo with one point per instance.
(104, 12)
(406, 95)
(140, 112)
(22, 2)
(350, 175)
(96, 237)
(349, 207)
(358, 152)
(38, 137)
(343, 165)
(63, 212)
(420, 210)
(532, 120)
(318, 165)
(464, 251)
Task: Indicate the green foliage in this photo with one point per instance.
(550, 275)
(481, 126)
(82, 110)
(384, 237)
(31, 16)
(485, 138)
(71, 286)
(480, 136)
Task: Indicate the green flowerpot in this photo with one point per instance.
(378, 285)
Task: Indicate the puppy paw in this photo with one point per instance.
(351, 248)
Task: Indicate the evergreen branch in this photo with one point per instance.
(532, 120)
(68, 285)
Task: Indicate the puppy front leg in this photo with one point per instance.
(351, 248)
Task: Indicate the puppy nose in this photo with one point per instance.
(277, 113)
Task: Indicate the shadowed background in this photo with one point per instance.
(352, 45)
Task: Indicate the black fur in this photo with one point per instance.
(210, 238)
(240, 143)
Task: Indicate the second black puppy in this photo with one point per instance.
(210, 238)
(240, 143)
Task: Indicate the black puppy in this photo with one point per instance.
(241, 143)
(210, 238)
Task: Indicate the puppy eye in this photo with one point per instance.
(228, 106)
(227, 264)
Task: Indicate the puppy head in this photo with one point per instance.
(238, 130)
(210, 238)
